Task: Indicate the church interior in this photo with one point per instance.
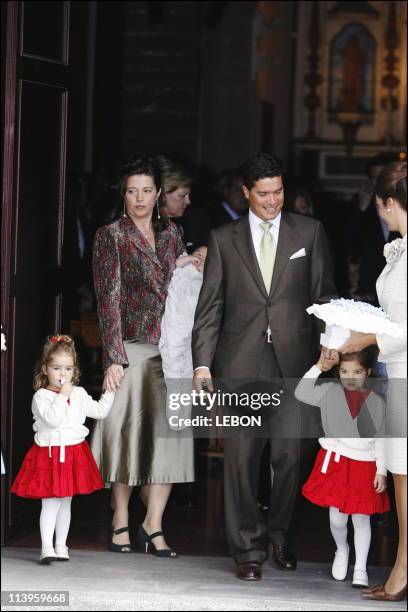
(86, 85)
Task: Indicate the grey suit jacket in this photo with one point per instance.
(234, 308)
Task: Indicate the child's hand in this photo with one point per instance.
(380, 483)
(200, 254)
(183, 261)
(66, 389)
(328, 359)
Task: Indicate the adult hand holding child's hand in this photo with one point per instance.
(184, 260)
(328, 359)
(113, 377)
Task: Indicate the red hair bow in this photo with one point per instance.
(57, 339)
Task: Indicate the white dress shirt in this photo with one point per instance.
(257, 232)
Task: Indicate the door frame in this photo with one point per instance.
(20, 66)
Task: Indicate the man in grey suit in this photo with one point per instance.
(261, 274)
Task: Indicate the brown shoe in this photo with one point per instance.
(249, 571)
(284, 560)
(380, 594)
(373, 588)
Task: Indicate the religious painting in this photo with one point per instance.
(352, 55)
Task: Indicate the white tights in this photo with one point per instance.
(362, 534)
(55, 516)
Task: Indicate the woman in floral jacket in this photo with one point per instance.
(133, 261)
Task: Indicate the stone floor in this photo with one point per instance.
(108, 581)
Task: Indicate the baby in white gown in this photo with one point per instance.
(178, 319)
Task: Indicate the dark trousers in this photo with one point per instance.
(246, 531)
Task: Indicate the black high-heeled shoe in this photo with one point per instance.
(121, 548)
(147, 540)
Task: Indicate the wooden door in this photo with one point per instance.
(35, 89)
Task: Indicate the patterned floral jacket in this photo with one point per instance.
(131, 282)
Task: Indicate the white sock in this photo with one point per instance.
(362, 539)
(63, 522)
(338, 527)
(48, 519)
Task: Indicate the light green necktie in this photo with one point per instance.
(268, 254)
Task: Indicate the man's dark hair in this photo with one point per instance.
(230, 176)
(262, 165)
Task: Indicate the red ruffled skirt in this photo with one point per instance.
(347, 485)
(42, 476)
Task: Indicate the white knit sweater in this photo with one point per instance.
(59, 423)
(336, 418)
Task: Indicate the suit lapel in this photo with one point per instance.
(284, 251)
(139, 241)
(242, 240)
(163, 244)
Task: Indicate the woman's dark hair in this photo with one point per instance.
(366, 358)
(148, 166)
(392, 183)
(141, 165)
(381, 159)
(262, 165)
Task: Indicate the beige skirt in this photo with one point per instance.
(134, 445)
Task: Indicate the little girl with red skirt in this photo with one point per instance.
(60, 463)
(349, 476)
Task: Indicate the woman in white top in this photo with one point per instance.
(391, 196)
